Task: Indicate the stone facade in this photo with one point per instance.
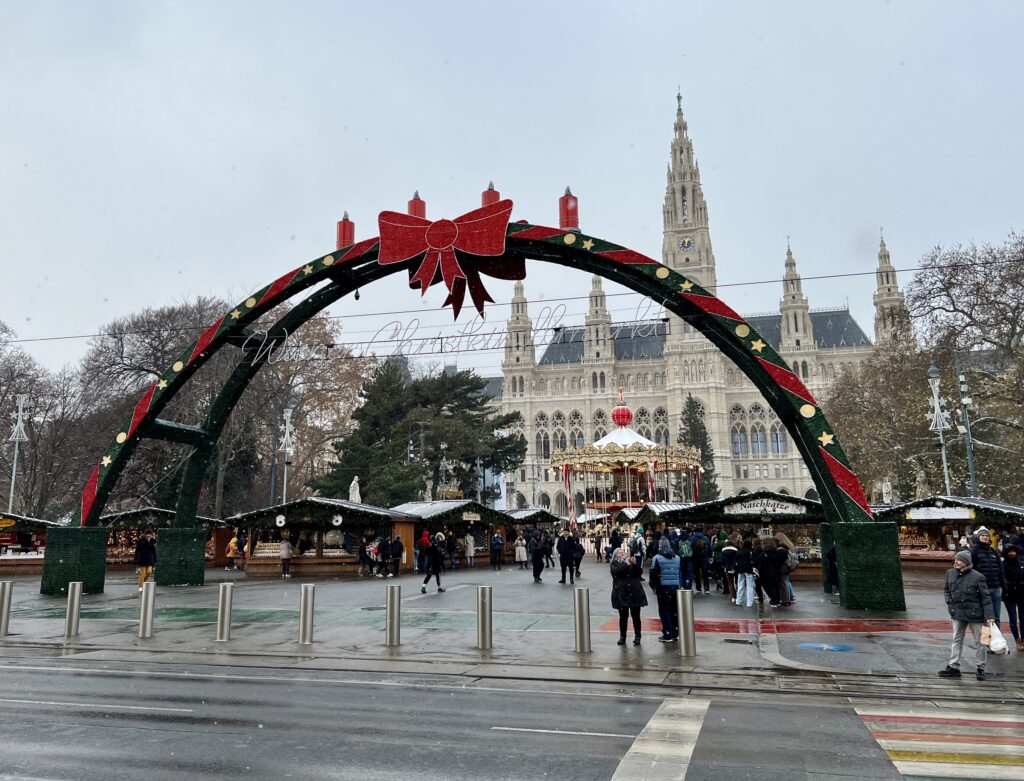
(566, 394)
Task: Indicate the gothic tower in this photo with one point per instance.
(519, 360)
(796, 318)
(597, 339)
(890, 306)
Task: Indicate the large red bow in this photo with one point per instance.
(480, 232)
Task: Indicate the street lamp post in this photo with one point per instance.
(940, 421)
(287, 448)
(965, 427)
(18, 436)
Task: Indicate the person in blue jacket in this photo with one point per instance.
(666, 572)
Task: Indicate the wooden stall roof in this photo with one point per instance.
(627, 515)
(141, 517)
(746, 508)
(319, 512)
(455, 513)
(946, 510)
(10, 522)
(534, 516)
(656, 512)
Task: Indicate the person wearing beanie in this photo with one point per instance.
(970, 605)
(986, 561)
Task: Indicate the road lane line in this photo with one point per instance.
(565, 732)
(938, 770)
(663, 748)
(96, 705)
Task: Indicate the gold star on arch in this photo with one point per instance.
(826, 439)
(106, 461)
(162, 384)
(687, 285)
(307, 270)
(757, 345)
(588, 244)
(235, 314)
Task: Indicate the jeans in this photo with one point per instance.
(667, 611)
(1015, 612)
(472, 560)
(745, 588)
(997, 598)
(959, 631)
(686, 573)
(452, 557)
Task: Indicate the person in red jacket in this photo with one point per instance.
(423, 560)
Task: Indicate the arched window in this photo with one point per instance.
(561, 504)
(778, 440)
(737, 414)
(576, 438)
(575, 384)
(661, 435)
(757, 412)
(602, 380)
(804, 371)
(783, 491)
(739, 441)
(546, 446)
(541, 420)
(730, 376)
(522, 386)
(812, 495)
(545, 501)
(540, 444)
(559, 439)
(593, 381)
(559, 384)
(758, 441)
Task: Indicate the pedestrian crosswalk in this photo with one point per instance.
(663, 749)
(946, 743)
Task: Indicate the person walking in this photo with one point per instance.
(384, 556)
(548, 546)
(497, 550)
(745, 574)
(469, 543)
(786, 561)
(284, 552)
(145, 555)
(970, 605)
(665, 578)
(520, 550)
(452, 547)
(985, 560)
(435, 562)
(567, 556)
(1013, 592)
(233, 554)
(578, 553)
(701, 547)
(628, 595)
(729, 552)
(397, 551)
(535, 547)
(768, 571)
(423, 560)
(364, 558)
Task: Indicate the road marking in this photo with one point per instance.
(946, 771)
(96, 705)
(663, 748)
(564, 732)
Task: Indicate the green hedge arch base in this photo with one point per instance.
(357, 265)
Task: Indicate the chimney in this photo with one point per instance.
(346, 232)
(417, 206)
(568, 212)
(490, 195)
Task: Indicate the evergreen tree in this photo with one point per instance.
(448, 408)
(693, 432)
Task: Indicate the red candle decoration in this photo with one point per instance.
(568, 212)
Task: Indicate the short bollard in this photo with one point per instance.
(74, 608)
(306, 614)
(6, 589)
(147, 609)
(393, 616)
(687, 633)
(483, 618)
(581, 612)
(224, 612)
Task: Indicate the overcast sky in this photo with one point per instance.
(151, 152)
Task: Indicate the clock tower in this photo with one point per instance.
(687, 246)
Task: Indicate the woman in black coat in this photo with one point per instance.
(627, 593)
(1013, 592)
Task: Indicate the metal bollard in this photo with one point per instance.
(306, 614)
(483, 618)
(687, 633)
(147, 609)
(224, 612)
(74, 608)
(6, 589)
(581, 613)
(393, 616)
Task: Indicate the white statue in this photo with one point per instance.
(921, 488)
(887, 492)
(353, 491)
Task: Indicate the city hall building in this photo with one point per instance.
(566, 393)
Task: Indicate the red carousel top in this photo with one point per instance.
(622, 415)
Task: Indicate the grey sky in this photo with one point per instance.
(151, 152)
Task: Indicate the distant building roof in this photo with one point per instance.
(645, 340)
(493, 388)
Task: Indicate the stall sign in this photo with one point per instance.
(940, 513)
(6, 523)
(8, 538)
(468, 516)
(765, 505)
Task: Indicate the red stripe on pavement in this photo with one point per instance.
(743, 626)
(936, 720)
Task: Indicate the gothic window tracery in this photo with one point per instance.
(758, 441)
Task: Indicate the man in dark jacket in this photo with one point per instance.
(535, 548)
(567, 556)
(985, 560)
(397, 549)
(970, 605)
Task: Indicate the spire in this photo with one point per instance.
(890, 305)
(796, 319)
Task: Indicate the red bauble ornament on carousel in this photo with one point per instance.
(622, 415)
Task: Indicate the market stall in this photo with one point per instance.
(325, 534)
(22, 544)
(127, 526)
(459, 517)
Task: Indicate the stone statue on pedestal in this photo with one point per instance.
(353, 490)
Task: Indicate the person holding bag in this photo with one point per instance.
(970, 605)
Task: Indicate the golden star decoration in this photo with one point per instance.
(757, 345)
(687, 285)
(235, 314)
(307, 270)
(588, 244)
(106, 460)
(162, 384)
(826, 438)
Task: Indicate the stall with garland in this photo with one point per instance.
(22, 544)
(460, 517)
(325, 535)
(125, 528)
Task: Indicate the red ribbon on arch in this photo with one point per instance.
(478, 234)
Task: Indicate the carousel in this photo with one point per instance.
(624, 469)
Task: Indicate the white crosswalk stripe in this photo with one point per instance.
(662, 750)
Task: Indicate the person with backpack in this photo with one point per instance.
(637, 547)
(497, 550)
(701, 547)
(685, 553)
(665, 574)
(745, 574)
(435, 557)
(785, 557)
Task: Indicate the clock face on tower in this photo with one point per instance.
(686, 243)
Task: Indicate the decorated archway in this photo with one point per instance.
(457, 253)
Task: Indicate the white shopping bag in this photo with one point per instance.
(998, 644)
